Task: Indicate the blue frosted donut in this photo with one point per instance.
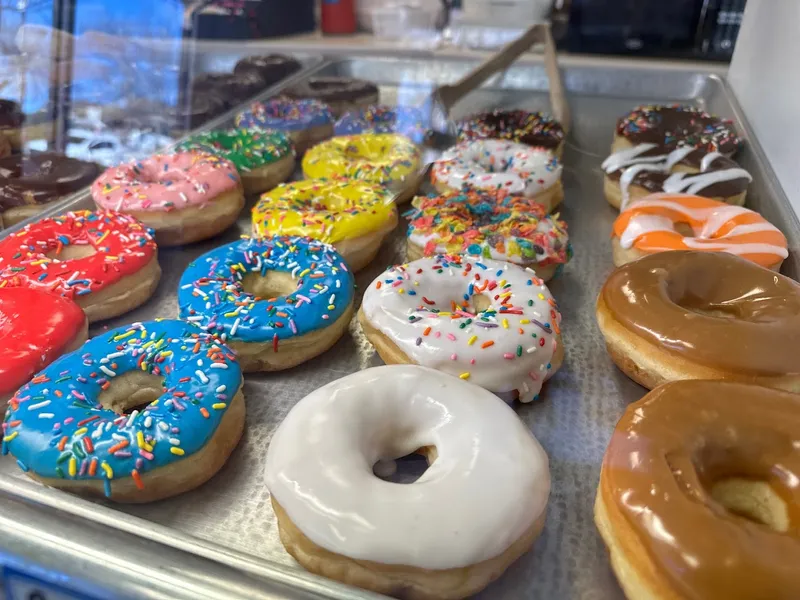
(284, 114)
(383, 119)
(212, 295)
(58, 430)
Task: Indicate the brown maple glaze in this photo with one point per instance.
(666, 453)
(711, 308)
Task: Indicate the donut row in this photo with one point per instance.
(699, 481)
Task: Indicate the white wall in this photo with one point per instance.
(765, 76)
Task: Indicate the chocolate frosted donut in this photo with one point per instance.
(229, 88)
(531, 128)
(28, 183)
(340, 93)
(676, 125)
(271, 68)
(11, 115)
(202, 108)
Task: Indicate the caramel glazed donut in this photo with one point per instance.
(445, 536)
(702, 315)
(698, 494)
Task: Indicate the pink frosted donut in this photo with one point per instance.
(184, 197)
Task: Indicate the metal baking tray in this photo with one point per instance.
(229, 520)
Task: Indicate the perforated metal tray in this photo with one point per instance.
(229, 520)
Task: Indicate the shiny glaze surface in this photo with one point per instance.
(35, 328)
(665, 299)
(470, 505)
(42, 177)
(247, 150)
(649, 225)
(211, 293)
(373, 157)
(498, 226)
(666, 453)
(56, 426)
(531, 128)
(29, 257)
(328, 211)
(333, 89)
(675, 125)
(165, 182)
(427, 307)
(285, 114)
(381, 118)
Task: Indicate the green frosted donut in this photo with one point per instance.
(247, 150)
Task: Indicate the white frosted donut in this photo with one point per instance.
(498, 164)
(490, 322)
(476, 509)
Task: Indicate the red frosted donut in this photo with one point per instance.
(35, 329)
(106, 261)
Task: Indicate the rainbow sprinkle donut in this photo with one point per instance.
(492, 225)
(306, 121)
(489, 322)
(380, 118)
(69, 429)
(353, 216)
(273, 331)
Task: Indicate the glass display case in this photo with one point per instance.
(213, 437)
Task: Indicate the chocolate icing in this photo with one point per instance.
(665, 299)
(333, 89)
(229, 88)
(531, 128)
(203, 107)
(41, 178)
(653, 181)
(11, 115)
(677, 125)
(270, 68)
(668, 451)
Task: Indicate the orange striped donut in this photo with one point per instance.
(661, 222)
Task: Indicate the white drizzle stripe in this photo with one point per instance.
(708, 159)
(488, 485)
(389, 310)
(496, 164)
(640, 225)
(693, 183)
(741, 249)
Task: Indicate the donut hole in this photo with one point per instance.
(272, 284)
(71, 252)
(480, 302)
(753, 500)
(684, 229)
(130, 391)
(405, 469)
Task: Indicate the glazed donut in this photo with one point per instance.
(306, 122)
(276, 302)
(35, 329)
(263, 158)
(353, 216)
(672, 125)
(410, 541)
(714, 464)
(502, 331)
(499, 226)
(28, 183)
(380, 118)
(644, 169)
(523, 127)
(341, 94)
(106, 262)
(387, 159)
(660, 222)
(184, 197)
(499, 165)
(271, 68)
(75, 426)
(701, 315)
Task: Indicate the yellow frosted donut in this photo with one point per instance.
(354, 216)
(388, 159)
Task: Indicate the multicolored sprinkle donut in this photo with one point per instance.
(490, 322)
(105, 261)
(531, 128)
(380, 118)
(306, 121)
(70, 429)
(498, 226)
(232, 291)
(263, 158)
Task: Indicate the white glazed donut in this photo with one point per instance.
(477, 508)
(490, 164)
(504, 333)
